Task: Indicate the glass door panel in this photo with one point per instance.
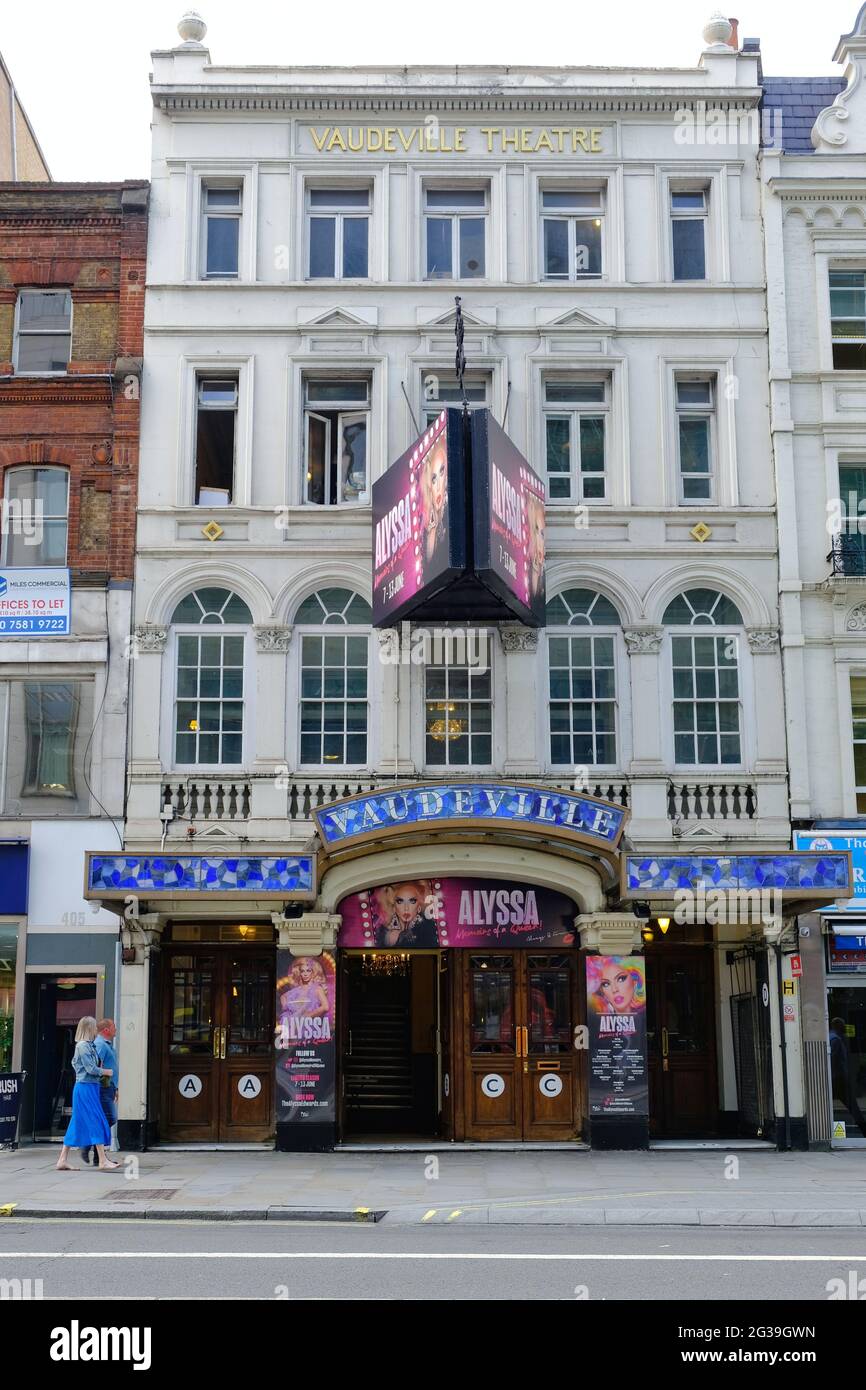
(191, 1005)
(550, 1005)
(492, 993)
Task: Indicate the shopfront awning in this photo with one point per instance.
(802, 881)
(155, 878)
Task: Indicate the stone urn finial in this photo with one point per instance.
(192, 27)
(717, 30)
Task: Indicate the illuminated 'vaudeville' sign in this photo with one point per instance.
(471, 804)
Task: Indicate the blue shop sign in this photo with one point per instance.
(852, 841)
(472, 805)
(13, 879)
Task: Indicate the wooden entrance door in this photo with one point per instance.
(681, 1043)
(218, 1046)
(520, 1064)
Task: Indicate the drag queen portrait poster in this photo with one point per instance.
(305, 1040)
(616, 1016)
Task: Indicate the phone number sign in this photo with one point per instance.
(34, 602)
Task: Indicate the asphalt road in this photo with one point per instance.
(233, 1260)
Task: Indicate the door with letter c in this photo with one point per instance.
(521, 1068)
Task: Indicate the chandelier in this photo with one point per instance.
(385, 963)
(443, 728)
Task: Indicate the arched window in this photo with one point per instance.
(582, 679)
(209, 700)
(706, 679)
(333, 682)
(35, 513)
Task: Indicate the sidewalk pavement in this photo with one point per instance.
(580, 1188)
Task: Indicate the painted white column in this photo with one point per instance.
(520, 655)
(648, 769)
(269, 765)
(140, 936)
(146, 652)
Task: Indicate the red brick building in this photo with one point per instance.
(72, 278)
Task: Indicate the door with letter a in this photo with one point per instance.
(520, 1064)
(218, 1045)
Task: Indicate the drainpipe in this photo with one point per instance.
(784, 1046)
(12, 114)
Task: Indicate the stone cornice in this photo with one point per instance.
(612, 101)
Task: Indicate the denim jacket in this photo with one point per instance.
(85, 1061)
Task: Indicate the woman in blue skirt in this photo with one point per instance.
(88, 1125)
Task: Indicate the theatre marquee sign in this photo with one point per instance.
(431, 137)
(473, 806)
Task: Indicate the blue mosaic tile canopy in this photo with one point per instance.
(543, 809)
(114, 875)
(804, 875)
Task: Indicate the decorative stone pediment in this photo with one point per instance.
(571, 319)
(336, 316)
(842, 126)
(472, 318)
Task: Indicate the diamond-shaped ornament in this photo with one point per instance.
(212, 531)
(701, 532)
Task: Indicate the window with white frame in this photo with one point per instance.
(572, 226)
(582, 679)
(34, 514)
(43, 332)
(442, 389)
(689, 233)
(858, 731)
(338, 233)
(45, 726)
(222, 206)
(334, 706)
(211, 628)
(696, 415)
(575, 429)
(215, 439)
(336, 419)
(458, 706)
(706, 679)
(848, 319)
(455, 232)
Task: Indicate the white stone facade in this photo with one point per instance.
(270, 133)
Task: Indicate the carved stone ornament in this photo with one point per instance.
(643, 641)
(856, 621)
(517, 638)
(273, 638)
(843, 124)
(149, 637)
(763, 639)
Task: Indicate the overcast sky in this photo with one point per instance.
(82, 69)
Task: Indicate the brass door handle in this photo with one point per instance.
(525, 1048)
(518, 1041)
(216, 1042)
(225, 1033)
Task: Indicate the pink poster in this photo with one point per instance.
(439, 912)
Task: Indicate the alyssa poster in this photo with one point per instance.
(616, 1016)
(508, 516)
(305, 1037)
(416, 545)
(435, 912)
